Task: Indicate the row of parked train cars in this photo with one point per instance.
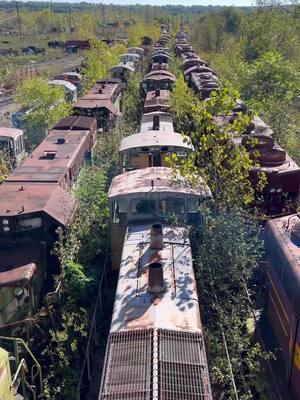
(282, 234)
(155, 346)
(36, 198)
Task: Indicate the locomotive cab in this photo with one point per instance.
(30, 215)
(102, 102)
(152, 148)
(12, 145)
(151, 194)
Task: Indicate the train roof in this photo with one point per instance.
(165, 120)
(153, 180)
(75, 122)
(128, 66)
(71, 74)
(156, 331)
(134, 307)
(198, 69)
(91, 101)
(155, 101)
(10, 132)
(67, 85)
(52, 158)
(160, 74)
(18, 199)
(154, 138)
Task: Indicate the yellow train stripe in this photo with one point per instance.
(278, 314)
(278, 297)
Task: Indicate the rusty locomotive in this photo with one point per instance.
(282, 233)
(282, 174)
(156, 344)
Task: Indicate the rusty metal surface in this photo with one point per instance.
(165, 121)
(177, 307)
(157, 101)
(156, 348)
(78, 123)
(160, 74)
(91, 102)
(39, 168)
(17, 276)
(155, 138)
(128, 366)
(20, 199)
(10, 132)
(198, 69)
(284, 255)
(151, 180)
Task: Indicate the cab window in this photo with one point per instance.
(119, 211)
(142, 206)
(171, 206)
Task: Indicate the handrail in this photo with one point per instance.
(22, 364)
(21, 341)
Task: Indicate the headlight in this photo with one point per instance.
(5, 222)
(6, 229)
(18, 292)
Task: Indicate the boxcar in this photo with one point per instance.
(283, 305)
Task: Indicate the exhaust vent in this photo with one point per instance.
(156, 123)
(156, 278)
(156, 237)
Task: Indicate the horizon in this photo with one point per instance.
(162, 3)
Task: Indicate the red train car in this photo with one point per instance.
(283, 305)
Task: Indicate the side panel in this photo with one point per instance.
(281, 316)
(117, 233)
(6, 392)
(295, 375)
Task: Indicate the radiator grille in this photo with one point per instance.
(183, 372)
(128, 364)
(155, 365)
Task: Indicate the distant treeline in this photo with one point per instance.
(82, 6)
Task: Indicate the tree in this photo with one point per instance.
(215, 157)
(183, 103)
(99, 59)
(45, 106)
(138, 30)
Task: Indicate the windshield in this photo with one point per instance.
(172, 206)
(142, 206)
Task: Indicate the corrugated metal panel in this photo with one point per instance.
(128, 364)
(157, 365)
(183, 371)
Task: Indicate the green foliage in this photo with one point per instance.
(46, 105)
(226, 261)
(215, 157)
(99, 59)
(67, 340)
(271, 76)
(270, 30)
(183, 103)
(4, 166)
(132, 103)
(135, 33)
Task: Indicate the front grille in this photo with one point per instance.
(155, 365)
(183, 372)
(127, 370)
